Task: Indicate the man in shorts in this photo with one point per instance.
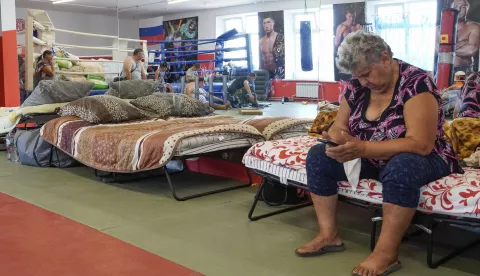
(241, 92)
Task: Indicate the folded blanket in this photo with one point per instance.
(464, 135)
(9, 117)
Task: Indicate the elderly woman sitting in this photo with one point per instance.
(390, 118)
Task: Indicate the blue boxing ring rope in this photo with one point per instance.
(180, 58)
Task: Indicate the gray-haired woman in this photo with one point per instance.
(390, 119)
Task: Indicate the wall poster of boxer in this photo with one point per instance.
(272, 43)
(347, 18)
(468, 33)
(176, 30)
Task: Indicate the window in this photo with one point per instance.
(321, 22)
(409, 28)
(244, 23)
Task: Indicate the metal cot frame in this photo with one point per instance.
(426, 223)
(113, 177)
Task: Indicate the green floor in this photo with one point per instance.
(211, 235)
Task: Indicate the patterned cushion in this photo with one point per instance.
(178, 105)
(456, 194)
(322, 122)
(132, 89)
(102, 109)
(57, 91)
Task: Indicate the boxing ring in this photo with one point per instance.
(180, 55)
(40, 36)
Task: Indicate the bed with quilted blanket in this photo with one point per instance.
(150, 144)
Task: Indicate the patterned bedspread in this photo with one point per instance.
(150, 144)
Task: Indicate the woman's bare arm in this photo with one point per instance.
(49, 70)
(340, 124)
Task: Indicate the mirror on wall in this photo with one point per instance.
(67, 40)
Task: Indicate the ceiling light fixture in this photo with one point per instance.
(176, 1)
(61, 1)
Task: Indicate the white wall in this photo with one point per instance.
(89, 23)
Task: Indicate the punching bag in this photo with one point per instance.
(446, 53)
(306, 45)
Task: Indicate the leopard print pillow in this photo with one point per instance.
(322, 122)
(158, 105)
(102, 109)
(132, 89)
(177, 105)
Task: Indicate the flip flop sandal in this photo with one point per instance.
(323, 250)
(394, 268)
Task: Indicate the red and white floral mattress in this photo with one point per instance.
(456, 195)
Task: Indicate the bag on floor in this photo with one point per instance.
(275, 194)
(32, 150)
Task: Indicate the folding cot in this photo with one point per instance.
(453, 200)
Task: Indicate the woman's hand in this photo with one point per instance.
(353, 148)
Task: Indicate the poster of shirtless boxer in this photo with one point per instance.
(272, 43)
(468, 33)
(347, 18)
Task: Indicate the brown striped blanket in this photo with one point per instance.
(149, 144)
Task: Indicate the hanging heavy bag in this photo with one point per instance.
(306, 46)
(274, 194)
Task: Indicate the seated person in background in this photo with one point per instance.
(192, 72)
(133, 68)
(390, 118)
(242, 91)
(45, 69)
(162, 75)
(204, 96)
(469, 98)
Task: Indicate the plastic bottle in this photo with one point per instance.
(11, 150)
(283, 100)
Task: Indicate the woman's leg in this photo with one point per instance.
(402, 178)
(323, 173)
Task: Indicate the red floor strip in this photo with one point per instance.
(34, 241)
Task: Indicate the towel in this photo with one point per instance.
(352, 170)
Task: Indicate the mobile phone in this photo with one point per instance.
(327, 142)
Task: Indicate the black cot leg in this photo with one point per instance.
(435, 264)
(178, 198)
(284, 210)
(373, 234)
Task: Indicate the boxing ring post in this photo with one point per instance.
(210, 88)
(446, 53)
(197, 90)
(182, 84)
(249, 53)
(225, 88)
